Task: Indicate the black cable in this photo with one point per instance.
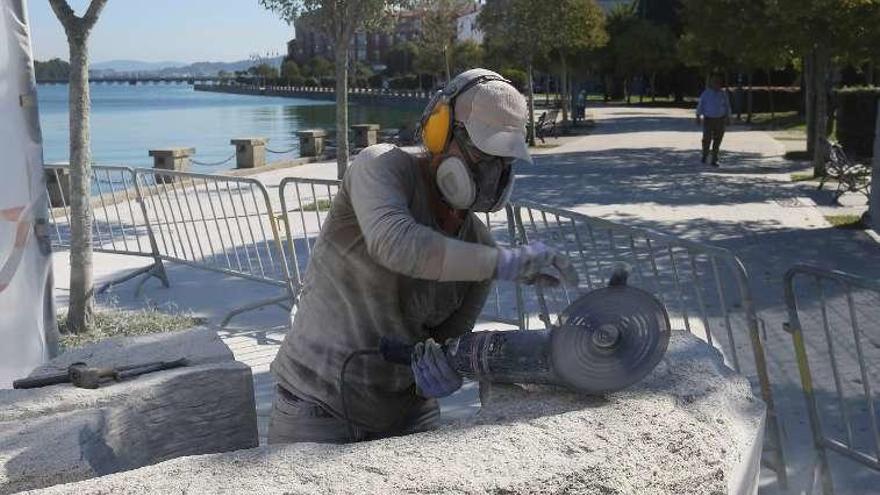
(361, 352)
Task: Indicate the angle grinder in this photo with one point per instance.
(607, 340)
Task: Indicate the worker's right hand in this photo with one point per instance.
(535, 264)
(434, 375)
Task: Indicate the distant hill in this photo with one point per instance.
(133, 65)
(212, 68)
(55, 69)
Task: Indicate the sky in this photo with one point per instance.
(166, 30)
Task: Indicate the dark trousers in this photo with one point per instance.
(713, 133)
(294, 420)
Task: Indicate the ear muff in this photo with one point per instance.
(436, 122)
(456, 184)
(437, 126)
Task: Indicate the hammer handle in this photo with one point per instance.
(41, 381)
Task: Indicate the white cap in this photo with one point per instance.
(495, 115)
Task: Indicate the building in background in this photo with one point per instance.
(367, 48)
(467, 28)
(371, 48)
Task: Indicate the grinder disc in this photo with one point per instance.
(609, 339)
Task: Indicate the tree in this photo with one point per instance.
(641, 47)
(264, 72)
(517, 30)
(578, 26)
(437, 37)
(400, 57)
(51, 70)
(821, 31)
(77, 29)
(340, 19)
(290, 72)
(319, 67)
(746, 36)
(467, 55)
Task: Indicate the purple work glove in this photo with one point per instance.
(535, 264)
(434, 375)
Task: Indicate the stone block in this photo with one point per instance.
(60, 434)
(692, 426)
(311, 142)
(249, 152)
(176, 159)
(365, 135)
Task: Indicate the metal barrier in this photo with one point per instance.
(305, 204)
(216, 222)
(833, 321)
(705, 289)
(119, 223)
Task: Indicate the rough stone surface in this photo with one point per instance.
(60, 433)
(684, 429)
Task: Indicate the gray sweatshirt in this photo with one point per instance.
(381, 266)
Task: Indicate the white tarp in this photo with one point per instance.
(27, 322)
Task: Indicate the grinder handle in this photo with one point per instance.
(395, 351)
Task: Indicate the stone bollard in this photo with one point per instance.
(176, 159)
(249, 152)
(58, 185)
(365, 135)
(311, 142)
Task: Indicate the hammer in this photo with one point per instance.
(82, 375)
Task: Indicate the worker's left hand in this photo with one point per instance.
(433, 373)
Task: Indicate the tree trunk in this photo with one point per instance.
(341, 104)
(81, 307)
(770, 98)
(654, 87)
(564, 89)
(750, 98)
(531, 95)
(874, 201)
(821, 67)
(809, 78)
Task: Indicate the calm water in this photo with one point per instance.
(127, 121)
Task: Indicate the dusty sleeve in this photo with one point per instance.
(380, 189)
(700, 104)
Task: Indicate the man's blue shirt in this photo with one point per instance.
(713, 104)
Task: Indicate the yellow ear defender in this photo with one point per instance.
(436, 122)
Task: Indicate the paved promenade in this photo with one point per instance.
(636, 166)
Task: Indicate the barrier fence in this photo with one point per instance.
(704, 288)
(835, 329)
(228, 225)
(119, 225)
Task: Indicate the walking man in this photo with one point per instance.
(713, 112)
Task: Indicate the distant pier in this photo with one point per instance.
(357, 95)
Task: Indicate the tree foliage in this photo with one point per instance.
(437, 37)
(291, 72)
(51, 70)
(340, 19)
(467, 55)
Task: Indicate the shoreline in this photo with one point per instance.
(355, 95)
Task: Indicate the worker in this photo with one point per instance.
(402, 255)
